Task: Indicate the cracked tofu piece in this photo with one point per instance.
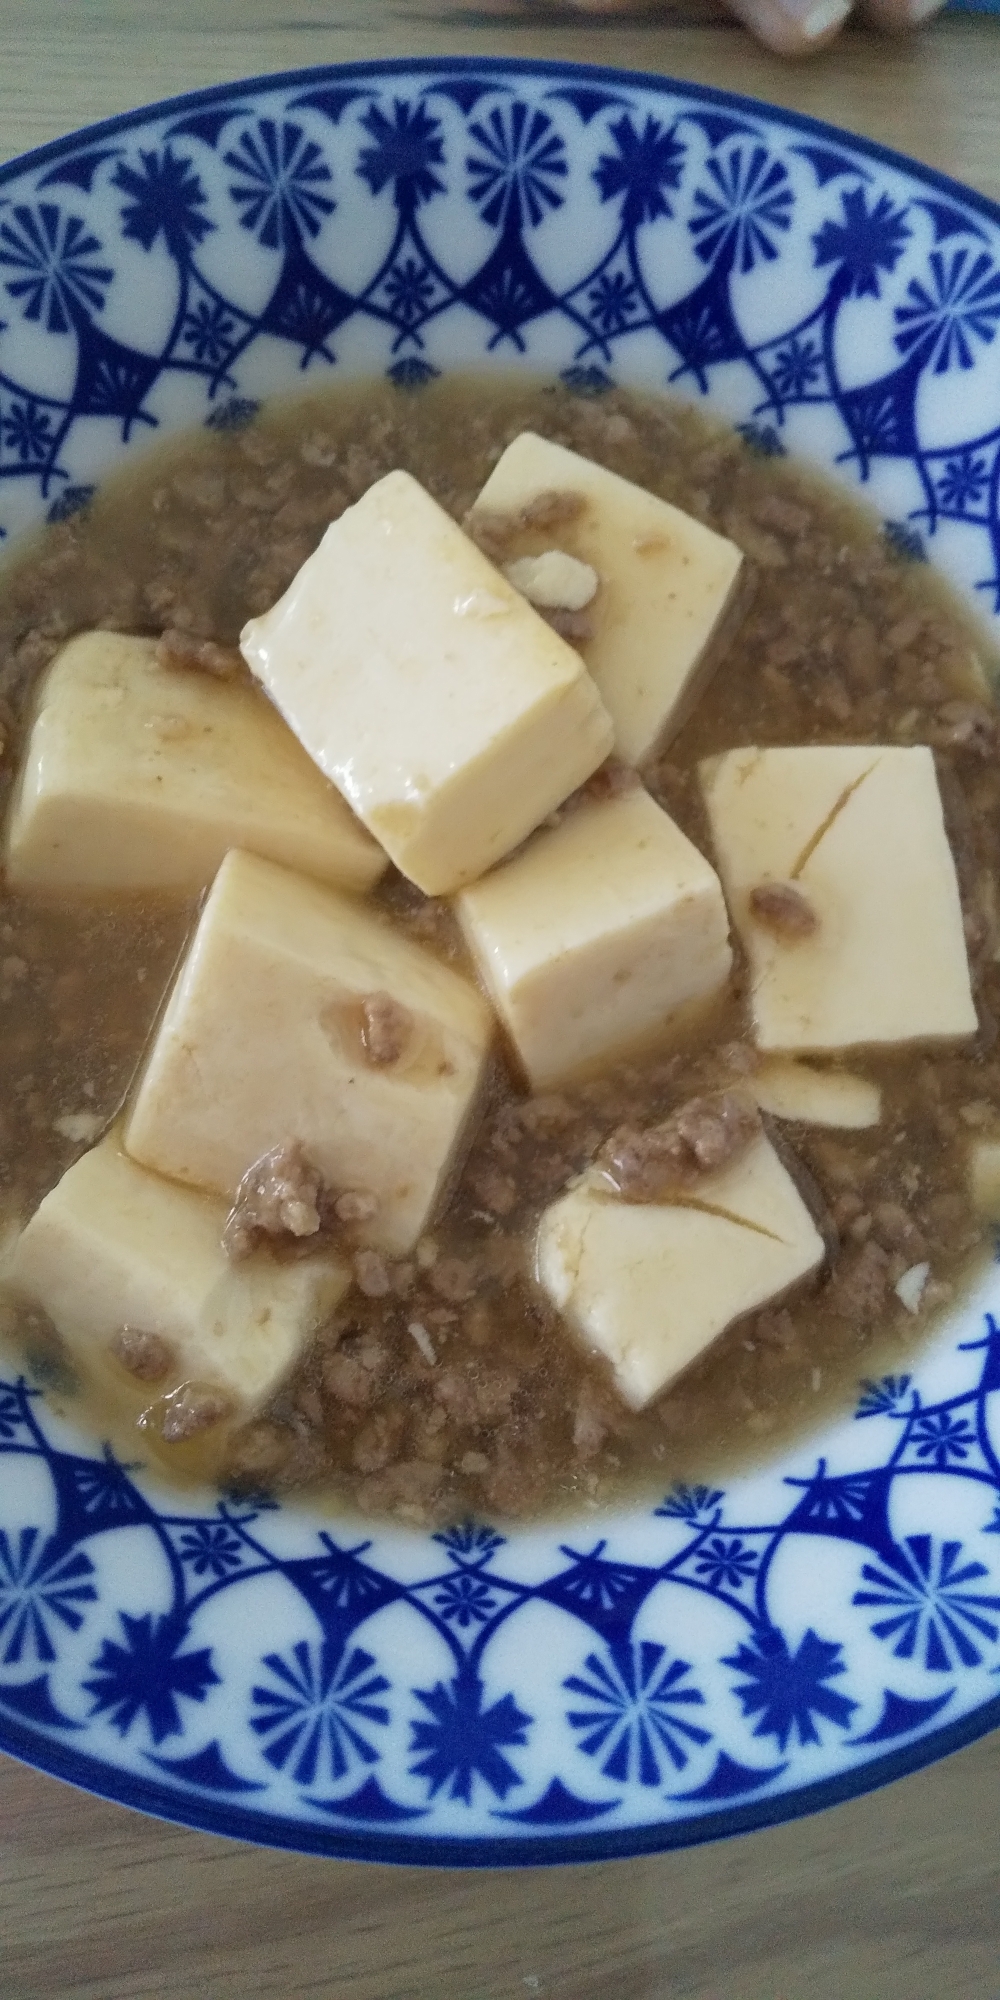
(603, 931)
(842, 886)
(668, 584)
(650, 1285)
(131, 1272)
(139, 777)
(299, 1015)
(808, 1096)
(449, 714)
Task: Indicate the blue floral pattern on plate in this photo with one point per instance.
(727, 1657)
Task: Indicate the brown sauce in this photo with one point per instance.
(445, 1386)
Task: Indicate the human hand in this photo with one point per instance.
(800, 27)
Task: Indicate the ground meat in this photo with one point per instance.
(860, 1287)
(496, 1191)
(576, 627)
(967, 726)
(353, 1378)
(182, 652)
(703, 1136)
(386, 1029)
(191, 1409)
(278, 1196)
(353, 1207)
(379, 1440)
(145, 1355)
(371, 1274)
(452, 1278)
(782, 908)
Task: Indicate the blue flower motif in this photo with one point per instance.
(208, 330)
(963, 482)
(883, 1398)
(464, 1739)
(941, 1437)
(631, 1719)
(797, 366)
(409, 288)
(313, 1718)
(40, 1586)
(785, 1689)
(762, 440)
(930, 1609)
(408, 146)
(165, 194)
(211, 1548)
(283, 174)
(53, 255)
(961, 304)
(148, 1674)
(412, 373)
(27, 429)
(465, 1599)
(735, 221)
(864, 244)
(521, 158)
(613, 301)
(725, 1562)
(469, 1542)
(11, 1414)
(904, 541)
(691, 1503)
(644, 165)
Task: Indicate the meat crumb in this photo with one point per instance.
(576, 627)
(781, 908)
(704, 1135)
(452, 1278)
(147, 1356)
(354, 1207)
(191, 1409)
(371, 1274)
(278, 1196)
(553, 581)
(386, 1028)
(181, 652)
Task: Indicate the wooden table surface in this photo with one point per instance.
(892, 1897)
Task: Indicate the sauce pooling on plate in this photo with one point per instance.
(648, 1104)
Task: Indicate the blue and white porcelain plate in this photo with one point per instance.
(726, 1658)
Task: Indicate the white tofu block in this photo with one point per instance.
(597, 935)
(137, 776)
(113, 1247)
(262, 1042)
(650, 1286)
(666, 584)
(450, 715)
(984, 1178)
(859, 833)
(808, 1096)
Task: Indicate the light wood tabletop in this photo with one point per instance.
(891, 1897)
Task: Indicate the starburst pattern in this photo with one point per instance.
(53, 256)
(165, 196)
(691, 1503)
(283, 177)
(736, 222)
(964, 482)
(516, 173)
(208, 331)
(407, 148)
(613, 301)
(885, 1397)
(409, 290)
(147, 1675)
(796, 368)
(865, 245)
(465, 1599)
(41, 1587)
(318, 1716)
(470, 1542)
(27, 430)
(957, 306)
(464, 1738)
(725, 1562)
(211, 1548)
(787, 1690)
(631, 1723)
(644, 164)
(932, 1614)
(942, 1438)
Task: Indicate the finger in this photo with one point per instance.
(793, 27)
(894, 17)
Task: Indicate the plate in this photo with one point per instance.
(723, 1659)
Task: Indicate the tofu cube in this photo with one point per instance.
(140, 777)
(984, 1178)
(450, 715)
(114, 1248)
(808, 1096)
(606, 929)
(651, 1285)
(667, 585)
(265, 1039)
(841, 884)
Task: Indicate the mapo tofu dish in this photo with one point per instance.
(499, 952)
